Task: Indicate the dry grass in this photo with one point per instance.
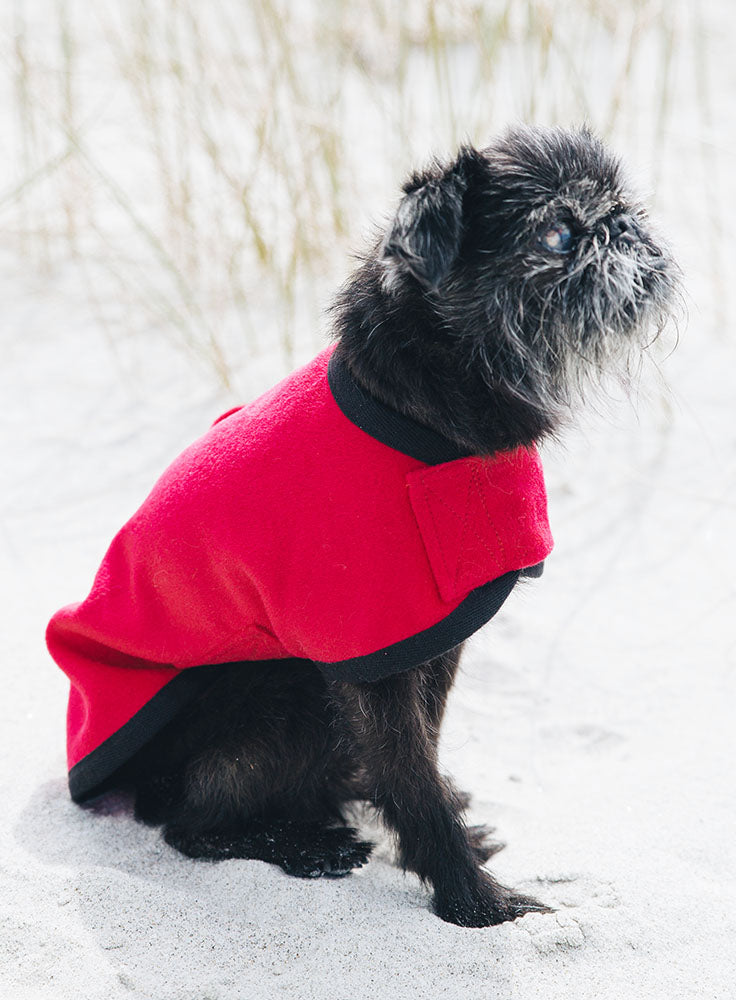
(209, 165)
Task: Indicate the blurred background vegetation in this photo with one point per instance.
(206, 168)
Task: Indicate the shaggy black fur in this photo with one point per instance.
(508, 280)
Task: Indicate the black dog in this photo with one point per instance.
(508, 281)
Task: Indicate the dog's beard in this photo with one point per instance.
(556, 332)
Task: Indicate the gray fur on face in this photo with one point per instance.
(568, 317)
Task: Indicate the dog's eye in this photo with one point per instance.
(557, 238)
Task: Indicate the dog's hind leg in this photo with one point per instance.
(255, 770)
(261, 803)
(397, 744)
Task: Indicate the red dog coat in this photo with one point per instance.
(314, 523)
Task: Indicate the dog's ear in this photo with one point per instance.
(425, 236)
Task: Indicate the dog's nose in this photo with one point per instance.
(621, 224)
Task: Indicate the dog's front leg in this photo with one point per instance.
(392, 722)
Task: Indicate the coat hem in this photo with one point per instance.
(90, 776)
(93, 774)
(470, 615)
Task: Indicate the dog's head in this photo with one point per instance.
(536, 259)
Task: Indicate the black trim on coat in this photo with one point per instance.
(89, 776)
(384, 424)
(471, 614)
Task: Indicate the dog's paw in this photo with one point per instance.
(484, 904)
(306, 850)
(332, 852)
(483, 843)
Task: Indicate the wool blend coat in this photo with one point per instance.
(315, 523)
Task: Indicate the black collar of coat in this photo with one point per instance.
(384, 424)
